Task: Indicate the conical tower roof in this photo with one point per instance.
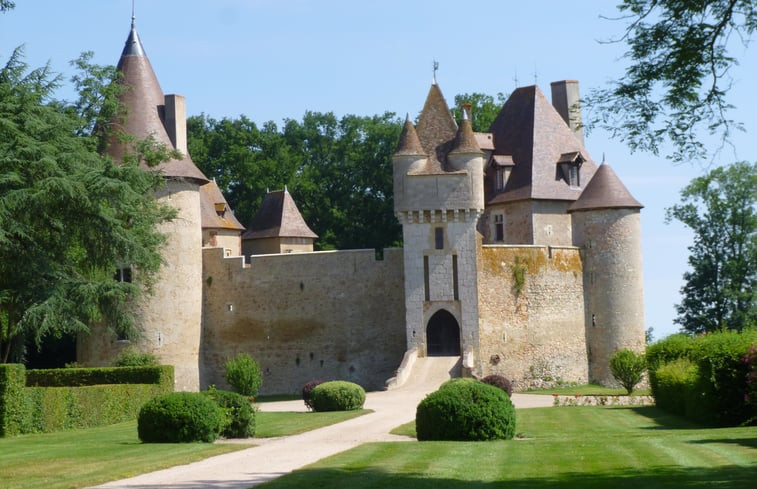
(278, 217)
(465, 140)
(529, 129)
(409, 143)
(605, 191)
(436, 130)
(144, 101)
(214, 209)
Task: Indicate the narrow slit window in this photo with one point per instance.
(427, 293)
(454, 278)
(439, 238)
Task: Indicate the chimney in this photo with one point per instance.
(176, 121)
(566, 100)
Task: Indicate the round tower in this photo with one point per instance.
(169, 315)
(409, 158)
(607, 226)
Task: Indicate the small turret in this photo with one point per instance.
(466, 155)
(409, 158)
(607, 227)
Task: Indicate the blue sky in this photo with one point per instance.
(273, 59)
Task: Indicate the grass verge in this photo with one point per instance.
(580, 447)
(271, 424)
(588, 390)
(92, 456)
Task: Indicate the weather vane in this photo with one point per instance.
(436, 67)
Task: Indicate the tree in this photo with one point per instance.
(627, 368)
(678, 79)
(69, 218)
(339, 171)
(484, 109)
(719, 291)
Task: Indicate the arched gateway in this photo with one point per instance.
(442, 335)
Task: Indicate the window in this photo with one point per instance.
(574, 180)
(123, 275)
(426, 283)
(499, 227)
(439, 238)
(499, 180)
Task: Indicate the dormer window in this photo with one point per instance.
(569, 168)
(220, 209)
(502, 166)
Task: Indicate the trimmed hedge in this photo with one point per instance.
(12, 401)
(47, 409)
(238, 417)
(337, 395)
(73, 377)
(179, 417)
(713, 393)
(465, 410)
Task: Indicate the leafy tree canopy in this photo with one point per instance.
(484, 108)
(339, 171)
(69, 217)
(721, 209)
(678, 78)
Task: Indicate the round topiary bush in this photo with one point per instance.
(465, 411)
(179, 417)
(337, 395)
(243, 375)
(499, 381)
(628, 367)
(307, 392)
(238, 419)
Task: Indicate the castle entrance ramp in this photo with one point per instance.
(428, 373)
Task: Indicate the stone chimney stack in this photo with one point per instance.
(566, 100)
(176, 121)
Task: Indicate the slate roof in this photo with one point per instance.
(278, 217)
(465, 139)
(409, 143)
(530, 130)
(605, 191)
(436, 131)
(144, 102)
(211, 202)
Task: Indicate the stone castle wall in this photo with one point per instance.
(305, 316)
(535, 336)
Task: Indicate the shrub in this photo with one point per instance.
(627, 367)
(132, 358)
(499, 381)
(676, 384)
(307, 393)
(465, 411)
(719, 357)
(243, 375)
(664, 351)
(337, 395)
(72, 377)
(458, 381)
(179, 417)
(238, 417)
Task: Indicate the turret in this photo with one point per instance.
(607, 227)
(409, 158)
(169, 315)
(466, 155)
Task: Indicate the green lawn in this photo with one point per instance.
(82, 458)
(282, 424)
(579, 447)
(588, 390)
(73, 459)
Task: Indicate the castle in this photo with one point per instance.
(521, 255)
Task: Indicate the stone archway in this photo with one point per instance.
(442, 335)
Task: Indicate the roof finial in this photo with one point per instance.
(286, 189)
(603, 157)
(133, 16)
(436, 67)
(407, 116)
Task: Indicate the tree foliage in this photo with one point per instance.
(484, 108)
(69, 217)
(339, 171)
(676, 85)
(719, 290)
